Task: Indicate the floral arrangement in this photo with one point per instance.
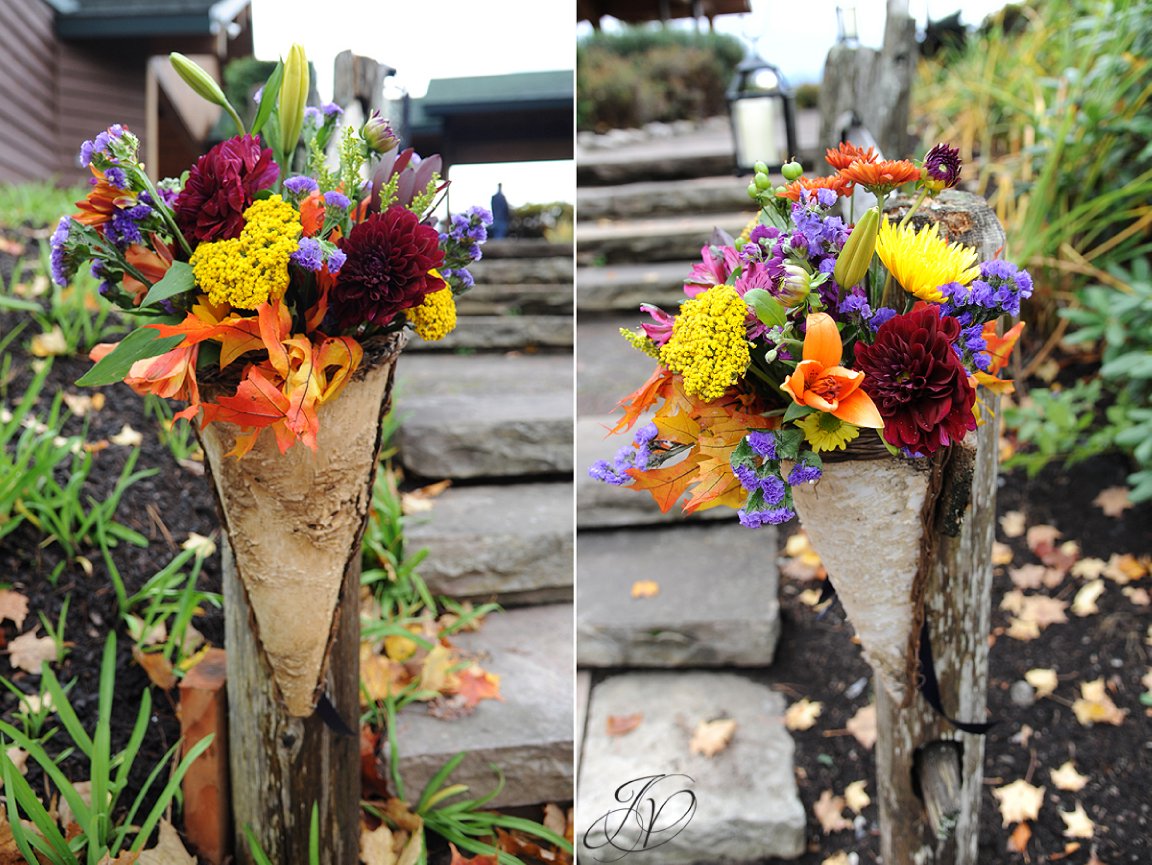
(810, 335)
(262, 268)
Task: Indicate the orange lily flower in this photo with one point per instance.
(820, 382)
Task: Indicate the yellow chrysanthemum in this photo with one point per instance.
(825, 432)
(923, 261)
(253, 268)
(709, 345)
(435, 318)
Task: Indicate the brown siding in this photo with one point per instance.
(29, 134)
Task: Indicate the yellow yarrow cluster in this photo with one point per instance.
(709, 344)
(435, 318)
(923, 261)
(253, 268)
(640, 342)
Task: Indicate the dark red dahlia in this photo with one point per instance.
(221, 186)
(389, 256)
(917, 382)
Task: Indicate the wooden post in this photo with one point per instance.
(929, 774)
(293, 524)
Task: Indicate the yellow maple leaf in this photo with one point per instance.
(1096, 707)
(1019, 801)
(712, 737)
(1067, 778)
(802, 714)
(645, 589)
(1077, 823)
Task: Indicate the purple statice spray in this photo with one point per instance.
(637, 455)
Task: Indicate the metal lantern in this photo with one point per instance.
(848, 33)
(761, 105)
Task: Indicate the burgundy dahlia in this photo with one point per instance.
(221, 186)
(917, 382)
(389, 256)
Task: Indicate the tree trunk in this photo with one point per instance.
(293, 523)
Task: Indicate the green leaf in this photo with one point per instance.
(268, 98)
(177, 280)
(144, 342)
(767, 308)
(796, 411)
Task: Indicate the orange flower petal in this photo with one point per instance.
(858, 409)
(822, 341)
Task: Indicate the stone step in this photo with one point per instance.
(501, 332)
(607, 367)
(717, 602)
(484, 415)
(510, 543)
(623, 287)
(525, 248)
(511, 271)
(533, 298)
(724, 193)
(747, 805)
(528, 734)
(600, 505)
(672, 238)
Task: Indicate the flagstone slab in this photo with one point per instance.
(747, 808)
(716, 605)
(528, 733)
(509, 543)
(507, 332)
(670, 238)
(622, 287)
(715, 194)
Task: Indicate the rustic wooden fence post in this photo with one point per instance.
(930, 774)
(293, 524)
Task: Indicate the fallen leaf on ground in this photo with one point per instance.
(1012, 524)
(49, 344)
(1084, 604)
(1125, 568)
(436, 672)
(18, 757)
(1023, 736)
(1146, 681)
(1067, 778)
(712, 737)
(802, 562)
(169, 849)
(1139, 597)
(1089, 569)
(205, 547)
(1148, 637)
(380, 677)
(862, 725)
(1077, 824)
(1039, 610)
(645, 589)
(1018, 840)
(810, 597)
(81, 403)
(127, 437)
(27, 652)
(1043, 680)
(84, 791)
(1096, 707)
(1019, 801)
(158, 668)
(13, 607)
(478, 684)
(855, 797)
(829, 812)
(1113, 501)
(802, 714)
(555, 819)
(840, 858)
(1033, 576)
(142, 635)
(376, 846)
(1018, 629)
(1001, 554)
(459, 858)
(620, 725)
(1042, 539)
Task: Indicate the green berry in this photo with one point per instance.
(791, 170)
(753, 191)
(762, 181)
(760, 168)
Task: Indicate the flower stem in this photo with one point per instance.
(915, 206)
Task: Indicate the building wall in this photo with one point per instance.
(29, 129)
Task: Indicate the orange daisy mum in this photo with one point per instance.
(837, 183)
(881, 178)
(104, 200)
(847, 153)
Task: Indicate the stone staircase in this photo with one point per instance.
(491, 409)
(701, 648)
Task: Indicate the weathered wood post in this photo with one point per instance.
(937, 521)
(293, 523)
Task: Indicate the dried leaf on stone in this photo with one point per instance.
(621, 725)
(1077, 823)
(1067, 778)
(13, 607)
(862, 725)
(1084, 604)
(645, 589)
(1019, 801)
(1113, 501)
(855, 797)
(1018, 840)
(380, 677)
(421, 500)
(802, 714)
(436, 672)
(158, 668)
(1043, 680)
(169, 849)
(1096, 707)
(829, 811)
(1012, 524)
(1139, 597)
(712, 737)
(476, 684)
(27, 652)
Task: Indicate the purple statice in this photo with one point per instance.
(100, 273)
(336, 259)
(116, 177)
(331, 109)
(258, 95)
(63, 264)
(337, 200)
(461, 243)
(300, 185)
(309, 254)
(880, 316)
(817, 234)
(997, 291)
(460, 278)
(773, 488)
(637, 455)
(168, 189)
(312, 115)
(766, 517)
(803, 473)
(855, 305)
(101, 145)
(763, 444)
(748, 477)
(124, 227)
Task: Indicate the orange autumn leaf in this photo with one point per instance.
(459, 858)
(1000, 347)
(477, 684)
(643, 398)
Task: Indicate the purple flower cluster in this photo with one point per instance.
(766, 517)
(634, 456)
(769, 498)
(124, 227)
(102, 144)
(300, 185)
(318, 115)
(63, 264)
(337, 200)
(998, 291)
(311, 254)
(856, 304)
(803, 473)
(461, 242)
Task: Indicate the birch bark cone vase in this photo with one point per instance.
(293, 524)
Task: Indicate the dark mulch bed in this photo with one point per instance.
(1108, 645)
